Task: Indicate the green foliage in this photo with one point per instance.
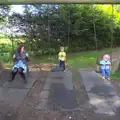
(47, 27)
(75, 60)
(116, 76)
(4, 10)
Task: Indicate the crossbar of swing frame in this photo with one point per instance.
(59, 1)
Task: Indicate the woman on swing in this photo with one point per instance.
(21, 63)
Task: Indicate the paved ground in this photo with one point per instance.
(26, 110)
(58, 92)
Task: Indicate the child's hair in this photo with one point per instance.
(106, 57)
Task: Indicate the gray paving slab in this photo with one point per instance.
(101, 104)
(12, 96)
(59, 77)
(16, 96)
(5, 76)
(4, 92)
(94, 84)
(103, 90)
(44, 94)
(114, 102)
(58, 92)
(19, 83)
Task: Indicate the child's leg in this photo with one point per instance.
(108, 73)
(63, 65)
(60, 64)
(103, 73)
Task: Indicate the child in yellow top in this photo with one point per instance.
(62, 58)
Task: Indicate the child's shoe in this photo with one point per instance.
(103, 78)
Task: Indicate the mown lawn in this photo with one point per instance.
(77, 60)
(116, 76)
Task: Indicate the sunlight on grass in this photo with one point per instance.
(116, 76)
(5, 41)
(77, 60)
(81, 62)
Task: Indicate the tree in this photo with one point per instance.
(48, 26)
(4, 10)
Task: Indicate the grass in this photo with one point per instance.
(76, 60)
(116, 76)
(5, 41)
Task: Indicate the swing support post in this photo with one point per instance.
(95, 38)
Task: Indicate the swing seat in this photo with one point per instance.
(26, 72)
(98, 69)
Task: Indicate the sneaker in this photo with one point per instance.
(103, 78)
(108, 78)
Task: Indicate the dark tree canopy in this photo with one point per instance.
(46, 27)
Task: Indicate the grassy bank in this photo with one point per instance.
(76, 60)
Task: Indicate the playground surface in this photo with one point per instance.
(29, 108)
(59, 96)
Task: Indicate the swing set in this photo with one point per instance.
(94, 37)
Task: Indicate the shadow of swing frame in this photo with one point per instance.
(59, 1)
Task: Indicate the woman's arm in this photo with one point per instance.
(27, 57)
(14, 58)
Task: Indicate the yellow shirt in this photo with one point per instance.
(62, 56)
